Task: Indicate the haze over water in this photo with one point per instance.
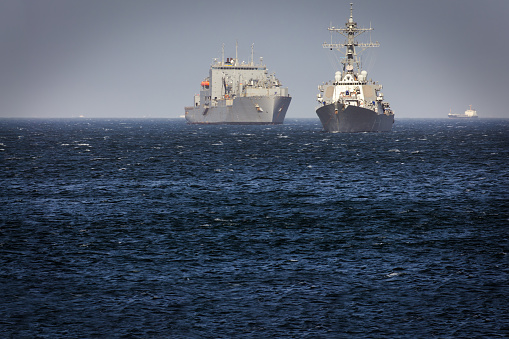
(132, 59)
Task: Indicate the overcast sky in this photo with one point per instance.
(146, 58)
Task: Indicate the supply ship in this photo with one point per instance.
(352, 103)
(469, 114)
(239, 93)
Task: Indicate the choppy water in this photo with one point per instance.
(155, 228)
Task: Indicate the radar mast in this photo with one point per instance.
(350, 31)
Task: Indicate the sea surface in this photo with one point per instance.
(159, 229)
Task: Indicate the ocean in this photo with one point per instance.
(159, 229)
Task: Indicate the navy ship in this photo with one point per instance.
(239, 93)
(352, 103)
(469, 114)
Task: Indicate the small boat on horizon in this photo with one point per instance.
(469, 114)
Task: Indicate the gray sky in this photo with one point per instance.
(146, 58)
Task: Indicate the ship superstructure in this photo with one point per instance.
(239, 93)
(469, 114)
(352, 103)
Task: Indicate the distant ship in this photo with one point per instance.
(469, 114)
(239, 93)
(351, 103)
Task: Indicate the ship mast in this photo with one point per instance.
(351, 31)
(252, 54)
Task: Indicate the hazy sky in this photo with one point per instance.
(146, 58)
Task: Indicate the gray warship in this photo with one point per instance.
(351, 103)
(239, 93)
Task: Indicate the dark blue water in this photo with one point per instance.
(155, 228)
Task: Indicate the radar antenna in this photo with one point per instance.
(350, 32)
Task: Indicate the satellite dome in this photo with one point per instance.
(337, 76)
(363, 76)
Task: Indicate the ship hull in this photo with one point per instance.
(261, 110)
(353, 119)
(462, 117)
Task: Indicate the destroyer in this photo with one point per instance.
(352, 103)
(469, 114)
(239, 93)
